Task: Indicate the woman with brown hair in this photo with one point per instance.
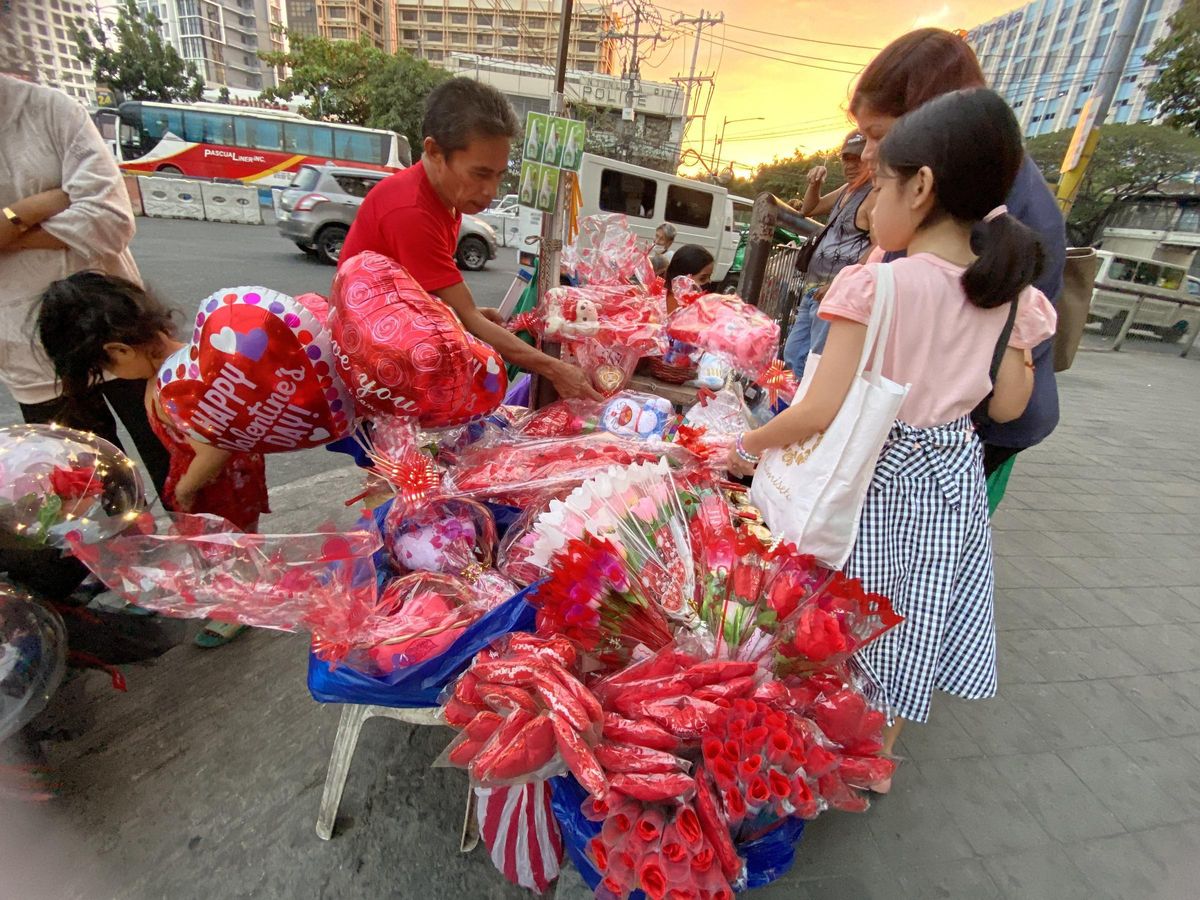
(906, 74)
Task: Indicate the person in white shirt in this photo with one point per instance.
(48, 142)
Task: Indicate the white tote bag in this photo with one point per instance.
(812, 494)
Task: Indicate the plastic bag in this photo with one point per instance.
(422, 684)
(628, 414)
(418, 616)
(514, 473)
(722, 324)
(606, 252)
(455, 536)
(203, 567)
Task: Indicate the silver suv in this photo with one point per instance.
(318, 207)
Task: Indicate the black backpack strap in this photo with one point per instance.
(1002, 344)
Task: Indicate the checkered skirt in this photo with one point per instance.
(925, 542)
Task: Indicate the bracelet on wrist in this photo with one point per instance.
(744, 454)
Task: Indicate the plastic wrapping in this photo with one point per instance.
(420, 685)
(523, 714)
(514, 474)
(33, 657)
(629, 414)
(606, 252)
(831, 624)
(56, 481)
(200, 566)
(417, 617)
(721, 324)
(456, 536)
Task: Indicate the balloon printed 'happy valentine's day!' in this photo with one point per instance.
(405, 353)
(258, 375)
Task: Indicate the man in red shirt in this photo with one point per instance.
(413, 216)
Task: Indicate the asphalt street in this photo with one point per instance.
(185, 261)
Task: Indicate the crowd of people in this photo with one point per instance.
(938, 188)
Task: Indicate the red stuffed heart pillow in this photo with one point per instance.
(403, 352)
(258, 375)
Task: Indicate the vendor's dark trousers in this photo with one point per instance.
(46, 572)
(994, 457)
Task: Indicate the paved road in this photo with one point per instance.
(186, 261)
(1080, 780)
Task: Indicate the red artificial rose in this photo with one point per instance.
(674, 851)
(652, 877)
(599, 854)
(76, 483)
(757, 792)
(819, 635)
(704, 858)
(689, 826)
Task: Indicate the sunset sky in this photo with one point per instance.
(768, 72)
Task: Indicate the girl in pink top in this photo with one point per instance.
(924, 540)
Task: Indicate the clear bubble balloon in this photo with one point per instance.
(56, 480)
(33, 657)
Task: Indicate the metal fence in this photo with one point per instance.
(770, 279)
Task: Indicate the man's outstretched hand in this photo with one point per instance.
(571, 382)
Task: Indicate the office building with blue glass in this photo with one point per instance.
(1046, 59)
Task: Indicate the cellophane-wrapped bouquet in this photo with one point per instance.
(688, 672)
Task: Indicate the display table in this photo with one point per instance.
(682, 395)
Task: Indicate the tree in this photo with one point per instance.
(1130, 161)
(131, 57)
(355, 83)
(1177, 89)
(788, 178)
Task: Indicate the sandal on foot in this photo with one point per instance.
(217, 634)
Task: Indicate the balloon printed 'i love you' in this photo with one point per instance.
(403, 352)
(258, 375)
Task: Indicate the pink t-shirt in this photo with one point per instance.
(941, 343)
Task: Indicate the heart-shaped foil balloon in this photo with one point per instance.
(258, 375)
(403, 352)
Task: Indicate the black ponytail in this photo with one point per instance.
(971, 142)
(83, 312)
(1010, 258)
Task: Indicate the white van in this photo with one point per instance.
(1119, 281)
(701, 213)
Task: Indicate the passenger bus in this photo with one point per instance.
(257, 146)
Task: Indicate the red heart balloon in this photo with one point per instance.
(403, 352)
(258, 375)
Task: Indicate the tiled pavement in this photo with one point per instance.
(1080, 780)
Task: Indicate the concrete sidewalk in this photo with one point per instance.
(1081, 779)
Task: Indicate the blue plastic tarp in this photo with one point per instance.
(421, 684)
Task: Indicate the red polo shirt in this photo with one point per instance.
(403, 218)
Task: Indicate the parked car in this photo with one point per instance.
(1121, 279)
(318, 208)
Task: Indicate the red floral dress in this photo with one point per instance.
(238, 493)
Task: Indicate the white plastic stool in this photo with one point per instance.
(344, 744)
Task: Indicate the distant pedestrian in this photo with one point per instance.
(94, 325)
(841, 243)
(664, 240)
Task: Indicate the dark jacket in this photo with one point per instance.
(1032, 203)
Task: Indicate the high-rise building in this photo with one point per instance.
(302, 17)
(518, 31)
(354, 20)
(223, 37)
(39, 44)
(1046, 59)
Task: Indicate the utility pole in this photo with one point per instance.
(701, 22)
(629, 115)
(550, 245)
(1095, 111)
